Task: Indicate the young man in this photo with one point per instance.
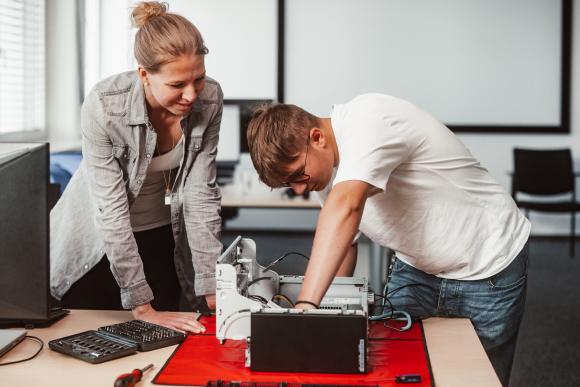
(392, 171)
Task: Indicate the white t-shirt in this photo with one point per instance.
(436, 206)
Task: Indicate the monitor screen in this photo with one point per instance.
(245, 110)
(24, 232)
(229, 143)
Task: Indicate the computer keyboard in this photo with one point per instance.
(118, 340)
(147, 336)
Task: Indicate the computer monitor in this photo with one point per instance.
(229, 143)
(228, 153)
(246, 109)
(24, 236)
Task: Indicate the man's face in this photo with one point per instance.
(177, 85)
(312, 170)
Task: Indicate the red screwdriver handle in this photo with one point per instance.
(129, 380)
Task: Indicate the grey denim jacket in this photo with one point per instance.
(92, 217)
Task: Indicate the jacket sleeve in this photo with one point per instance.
(107, 187)
(202, 203)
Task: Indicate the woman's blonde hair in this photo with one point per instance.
(163, 36)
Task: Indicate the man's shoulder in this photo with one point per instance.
(365, 111)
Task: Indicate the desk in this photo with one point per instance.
(457, 357)
(231, 199)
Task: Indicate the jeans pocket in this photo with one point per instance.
(503, 284)
(399, 266)
(513, 275)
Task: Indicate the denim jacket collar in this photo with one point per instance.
(137, 109)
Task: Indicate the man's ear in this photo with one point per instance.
(317, 137)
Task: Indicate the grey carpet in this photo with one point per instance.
(548, 347)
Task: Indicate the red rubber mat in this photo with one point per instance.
(200, 360)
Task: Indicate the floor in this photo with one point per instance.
(548, 351)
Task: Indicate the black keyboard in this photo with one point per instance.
(147, 336)
(115, 341)
(93, 347)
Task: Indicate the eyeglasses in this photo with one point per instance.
(299, 177)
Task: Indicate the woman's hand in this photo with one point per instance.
(175, 320)
(210, 300)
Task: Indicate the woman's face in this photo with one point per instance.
(177, 84)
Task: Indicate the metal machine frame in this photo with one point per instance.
(288, 339)
(240, 281)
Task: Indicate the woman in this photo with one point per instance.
(144, 200)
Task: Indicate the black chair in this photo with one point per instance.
(546, 173)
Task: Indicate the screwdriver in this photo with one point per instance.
(406, 378)
(130, 379)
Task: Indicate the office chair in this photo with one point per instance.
(546, 173)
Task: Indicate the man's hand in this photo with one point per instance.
(210, 300)
(174, 320)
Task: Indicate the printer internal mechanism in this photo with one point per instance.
(254, 303)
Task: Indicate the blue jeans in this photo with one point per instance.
(494, 305)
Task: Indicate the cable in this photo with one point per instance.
(257, 297)
(395, 314)
(38, 340)
(404, 316)
(390, 305)
(383, 306)
(385, 298)
(284, 256)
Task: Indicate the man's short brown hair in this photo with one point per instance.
(276, 135)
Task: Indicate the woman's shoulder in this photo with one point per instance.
(115, 84)
(111, 93)
(212, 93)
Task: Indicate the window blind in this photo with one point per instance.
(22, 65)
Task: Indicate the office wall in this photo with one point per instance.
(62, 81)
(242, 41)
(241, 37)
(494, 150)
(468, 62)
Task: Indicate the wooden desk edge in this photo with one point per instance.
(456, 355)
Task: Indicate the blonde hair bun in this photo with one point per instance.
(147, 10)
(163, 36)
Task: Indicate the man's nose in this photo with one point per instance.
(299, 188)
